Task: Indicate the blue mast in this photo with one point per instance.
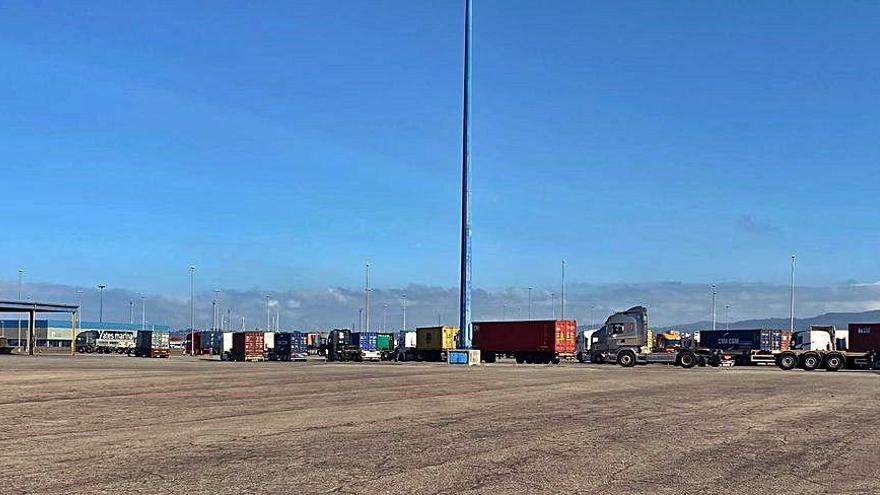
(464, 321)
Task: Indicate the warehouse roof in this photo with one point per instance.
(26, 306)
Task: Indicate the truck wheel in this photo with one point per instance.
(834, 362)
(597, 358)
(627, 359)
(520, 359)
(787, 361)
(811, 361)
(554, 359)
(687, 360)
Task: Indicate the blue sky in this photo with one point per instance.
(281, 145)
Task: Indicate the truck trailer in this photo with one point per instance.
(106, 341)
(153, 344)
(749, 346)
(528, 341)
(247, 346)
(817, 351)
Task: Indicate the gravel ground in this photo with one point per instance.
(112, 424)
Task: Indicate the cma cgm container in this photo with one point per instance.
(248, 346)
(753, 346)
(530, 341)
(151, 343)
(433, 342)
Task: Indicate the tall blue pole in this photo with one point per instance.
(464, 321)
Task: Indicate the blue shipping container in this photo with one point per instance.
(729, 340)
(211, 341)
(367, 341)
(298, 343)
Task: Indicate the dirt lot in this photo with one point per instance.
(112, 424)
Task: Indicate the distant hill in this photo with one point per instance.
(839, 320)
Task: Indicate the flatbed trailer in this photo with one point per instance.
(811, 360)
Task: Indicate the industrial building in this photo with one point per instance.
(56, 333)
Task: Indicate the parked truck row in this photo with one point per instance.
(140, 343)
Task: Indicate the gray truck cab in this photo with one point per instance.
(625, 330)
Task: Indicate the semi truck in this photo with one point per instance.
(338, 346)
(106, 341)
(582, 345)
(625, 339)
(528, 341)
(152, 344)
(817, 348)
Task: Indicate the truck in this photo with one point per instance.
(385, 344)
(582, 345)
(106, 341)
(368, 343)
(626, 339)
(338, 346)
(527, 341)
(248, 346)
(152, 344)
(819, 348)
(432, 343)
(5, 348)
(405, 347)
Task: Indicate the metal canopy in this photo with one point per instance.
(26, 306)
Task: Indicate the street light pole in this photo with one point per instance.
(714, 293)
(464, 308)
(267, 313)
(791, 321)
(130, 312)
(404, 311)
(562, 294)
(20, 275)
(360, 319)
(366, 298)
(143, 313)
(727, 316)
(530, 303)
(101, 307)
(553, 304)
(384, 313)
(192, 310)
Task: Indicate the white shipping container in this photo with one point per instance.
(227, 341)
(409, 340)
(269, 340)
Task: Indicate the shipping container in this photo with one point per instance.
(211, 343)
(248, 346)
(269, 340)
(432, 343)
(299, 343)
(864, 337)
(528, 341)
(151, 343)
(756, 340)
(281, 347)
(385, 342)
(188, 344)
(367, 341)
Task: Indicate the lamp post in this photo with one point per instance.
(20, 275)
(384, 319)
(791, 320)
(404, 311)
(366, 298)
(727, 316)
(130, 312)
(562, 294)
(360, 319)
(267, 313)
(101, 307)
(553, 304)
(714, 293)
(192, 310)
(530, 302)
(143, 313)
(464, 314)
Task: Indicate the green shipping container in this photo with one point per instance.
(385, 342)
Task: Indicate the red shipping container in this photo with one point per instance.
(541, 336)
(864, 337)
(188, 347)
(248, 346)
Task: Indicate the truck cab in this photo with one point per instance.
(819, 338)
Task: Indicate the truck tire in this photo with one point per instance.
(597, 358)
(810, 361)
(554, 359)
(519, 358)
(489, 357)
(787, 361)
(687, 360)
(627, 359)
(834, 362)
